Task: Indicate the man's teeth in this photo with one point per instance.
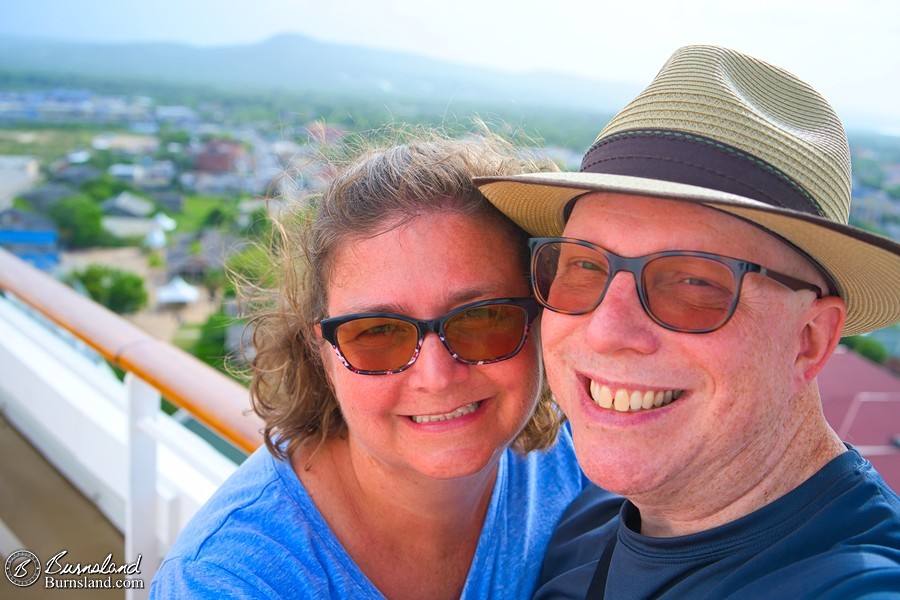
(624, 400)
(459, 412)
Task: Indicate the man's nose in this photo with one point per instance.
(619, 322)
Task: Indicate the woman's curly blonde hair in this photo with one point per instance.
(379, 189)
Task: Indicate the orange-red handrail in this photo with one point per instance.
(211, 397)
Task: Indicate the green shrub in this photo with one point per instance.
(120, 291)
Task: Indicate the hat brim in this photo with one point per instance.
(865, 267)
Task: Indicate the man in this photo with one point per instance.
(705, 274)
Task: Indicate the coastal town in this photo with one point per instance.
(178, 189)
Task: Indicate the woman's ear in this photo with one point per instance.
(821, 332)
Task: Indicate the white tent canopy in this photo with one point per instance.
(155, 239)
(177, 291)
(165, 222)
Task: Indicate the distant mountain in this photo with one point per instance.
(298, 63)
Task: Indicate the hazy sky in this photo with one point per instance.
(849, 50)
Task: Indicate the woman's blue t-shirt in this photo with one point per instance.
(261, 536)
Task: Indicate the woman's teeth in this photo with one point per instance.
(459, 412)
(624, 400)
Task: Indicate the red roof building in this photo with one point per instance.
(862, 403)
(221, 156)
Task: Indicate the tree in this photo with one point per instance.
(220, 216)
(251, 266)
(120, 291)
(170, 135)
(868, 172)
(106, 186)
(867, 347)
(260, 225)
(210, 346)
(78, 219)
(102, 159)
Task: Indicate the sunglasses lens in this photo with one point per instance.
(487, 333)
(569, 277)
(685, 293)
(690, 293)
(377, 343)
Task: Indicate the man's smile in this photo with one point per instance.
(631, 400)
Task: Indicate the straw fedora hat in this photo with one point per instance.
(729, 131)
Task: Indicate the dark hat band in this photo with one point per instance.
(695, 160)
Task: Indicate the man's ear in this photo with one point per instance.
(823, 323)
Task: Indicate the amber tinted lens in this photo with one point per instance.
(689, 292)
(377, 343)
(569, 277)
(486, 333)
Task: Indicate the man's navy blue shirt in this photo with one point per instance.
(836, 536)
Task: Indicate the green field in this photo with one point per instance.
(195, 211)
(45, 143)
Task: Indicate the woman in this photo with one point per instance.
(410, 439)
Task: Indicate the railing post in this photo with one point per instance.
(140, 504)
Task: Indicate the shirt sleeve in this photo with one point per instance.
(181, 578)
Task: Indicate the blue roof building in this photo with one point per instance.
(33, 238)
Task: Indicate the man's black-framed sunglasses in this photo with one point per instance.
(380, 343)
(685, 291)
